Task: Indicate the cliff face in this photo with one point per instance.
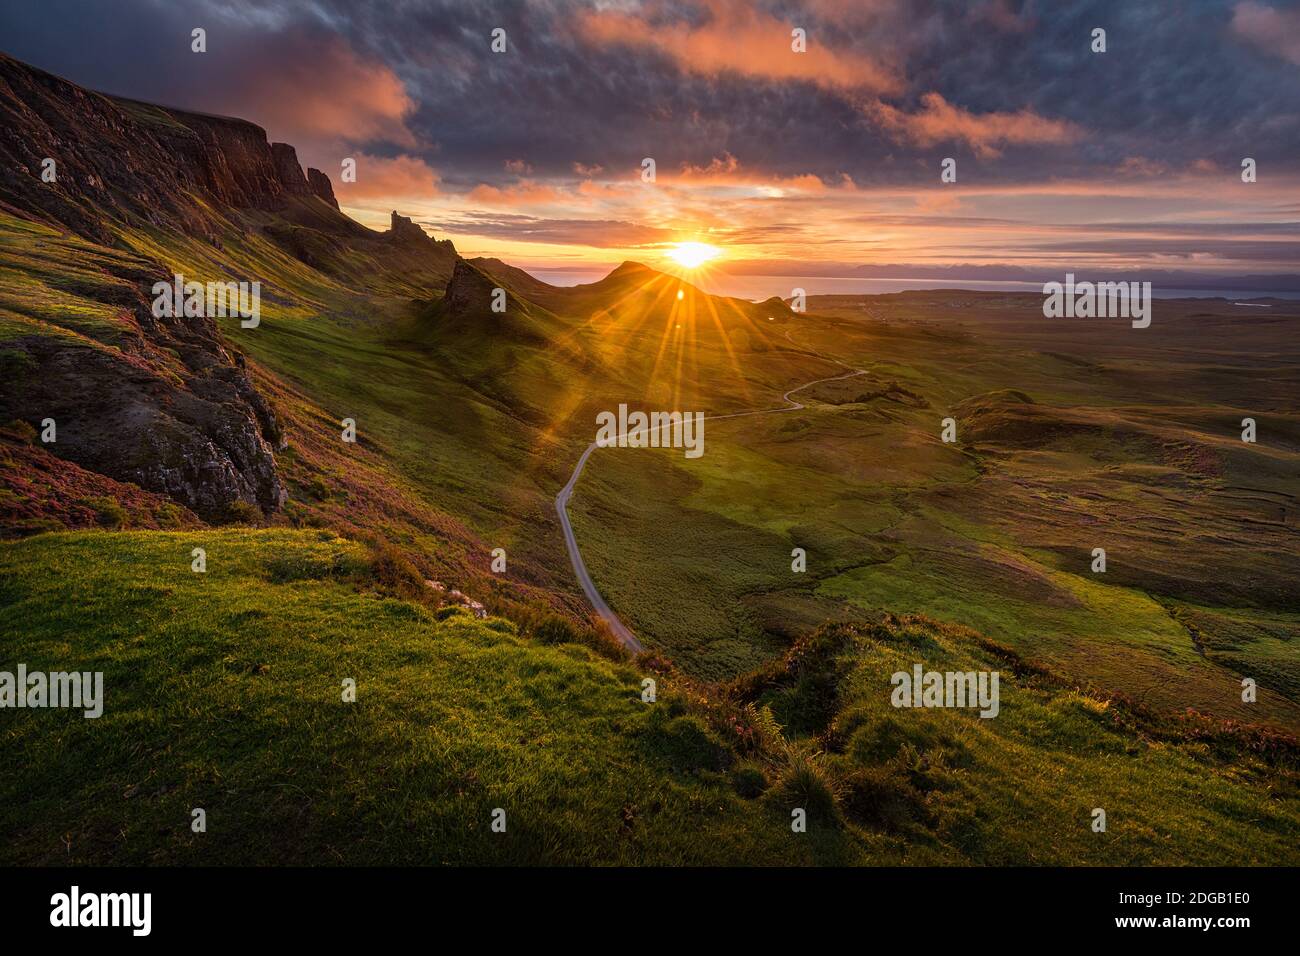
(469, 294)
(158, 402)
(132, 162)
(321, 187)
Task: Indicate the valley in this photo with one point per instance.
(330, 561)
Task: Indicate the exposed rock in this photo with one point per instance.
(470, 292)
(320, 186)
(403, 229)
(134, 162)
(170, 411)
(288, 170)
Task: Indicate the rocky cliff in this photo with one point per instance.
(166, 406)
(120, 160)
(321, 187)
(159, 402)
(124, 186)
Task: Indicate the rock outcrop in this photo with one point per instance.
(321, 186)
(470, 292)
(158, 402)
(288, 171)
(168, 409)
(404, 230)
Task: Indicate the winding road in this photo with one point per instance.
(621, 630)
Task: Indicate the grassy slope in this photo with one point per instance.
(996, 531)
(1021, 787)
(891, 519)
(222, 691)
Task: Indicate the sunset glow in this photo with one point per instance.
(849, 186)
(692, 255)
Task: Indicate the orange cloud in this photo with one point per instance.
(378, 177)
(939, 121)
(526, 193)
(726, 170)
(721, 168)
(313, 89)
(737, 38)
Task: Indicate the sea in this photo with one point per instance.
(756, 288)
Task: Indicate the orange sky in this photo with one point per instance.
(1139, 216)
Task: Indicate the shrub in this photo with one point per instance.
(23, 431)
(687, 743)
(108, 512)
(554, 629)
(881, 798)
(600, 638)
(395, 572)
(168, 515)
(242, 512)
(16, 365)
(877, 737)
(749, 781)
(317, 488)
(807, 782)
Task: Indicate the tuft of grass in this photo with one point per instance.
(807, 782)
(108, 512)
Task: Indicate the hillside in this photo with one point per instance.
(330, 558)
(224, 690)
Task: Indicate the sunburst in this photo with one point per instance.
(692, 255)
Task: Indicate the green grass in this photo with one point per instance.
(1021, 787)
(995, 531)
(223, 691)
(224, 688)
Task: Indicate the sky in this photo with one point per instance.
(824, 162)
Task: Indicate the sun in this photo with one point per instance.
(692, 255)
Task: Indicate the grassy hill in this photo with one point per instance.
(1121, 690)
(223, 690)
(1068, 440)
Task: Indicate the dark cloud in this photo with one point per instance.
(1178, 82)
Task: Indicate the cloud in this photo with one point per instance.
(738, 37)
(939, 121)
(379, 177)
(524, 193)
(306, 87)
(328, 90)
(1273, 31)
(595, 233)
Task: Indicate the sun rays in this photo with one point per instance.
(692, 255)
